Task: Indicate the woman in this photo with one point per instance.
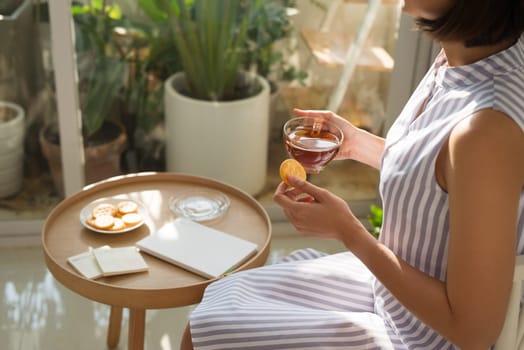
(452, 176)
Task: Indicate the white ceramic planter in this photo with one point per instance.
(12, 132)
(226, 141)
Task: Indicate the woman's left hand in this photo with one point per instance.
(316, 212)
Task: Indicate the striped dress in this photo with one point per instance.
(311, 300)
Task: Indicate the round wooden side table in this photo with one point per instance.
(164, 285)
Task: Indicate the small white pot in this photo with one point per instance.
(226, 141)
(12, 132)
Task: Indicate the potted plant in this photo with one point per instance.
(19, 73)
(216, 114)
(100, 78)
(267, 36)
(12, 132)
(270, 26)
(118, 94)
(19, 66)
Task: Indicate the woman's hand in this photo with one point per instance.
(348, 129)
(316, 212)
(358, 144)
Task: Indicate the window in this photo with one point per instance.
(41, 76)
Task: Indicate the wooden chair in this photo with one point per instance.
(513, 331)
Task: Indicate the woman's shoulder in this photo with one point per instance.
(488, 129)
(487, 140)
(508, 95)
(488, 122)
(508, 85)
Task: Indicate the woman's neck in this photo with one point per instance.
(458, 54)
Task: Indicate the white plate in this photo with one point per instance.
(85, 214)
(199, 205)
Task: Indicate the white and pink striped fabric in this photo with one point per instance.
(316, 301)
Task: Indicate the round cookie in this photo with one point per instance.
(104, 209)
(103, 222)
(118, 225)
(126, 207)
(291, 167)
(132, 219)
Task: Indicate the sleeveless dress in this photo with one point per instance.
(311, 300)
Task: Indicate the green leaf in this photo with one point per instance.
(210, 37)
(153, 10)
(375, 219)
(102, 91)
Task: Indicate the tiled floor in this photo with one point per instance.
(37, 313)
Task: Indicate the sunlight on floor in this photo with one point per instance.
(38, 313)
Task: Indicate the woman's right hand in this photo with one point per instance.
(348, 129)
(358, 144)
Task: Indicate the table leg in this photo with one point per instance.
(115, 324)
(137, 321)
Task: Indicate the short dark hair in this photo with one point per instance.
(478, 23)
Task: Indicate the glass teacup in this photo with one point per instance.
(313, 142)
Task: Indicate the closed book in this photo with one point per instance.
(107, 261)
(198, 248)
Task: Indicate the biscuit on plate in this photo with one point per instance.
(103, 222)
(132, 219)
(126, 207)
(118, 225)
(104, 209)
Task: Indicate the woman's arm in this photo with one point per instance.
(358, 145)
(482, 169)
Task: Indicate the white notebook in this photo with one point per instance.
(85, 264)
(120, 260)
(198, 248)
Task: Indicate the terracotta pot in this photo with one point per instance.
(102, 160)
